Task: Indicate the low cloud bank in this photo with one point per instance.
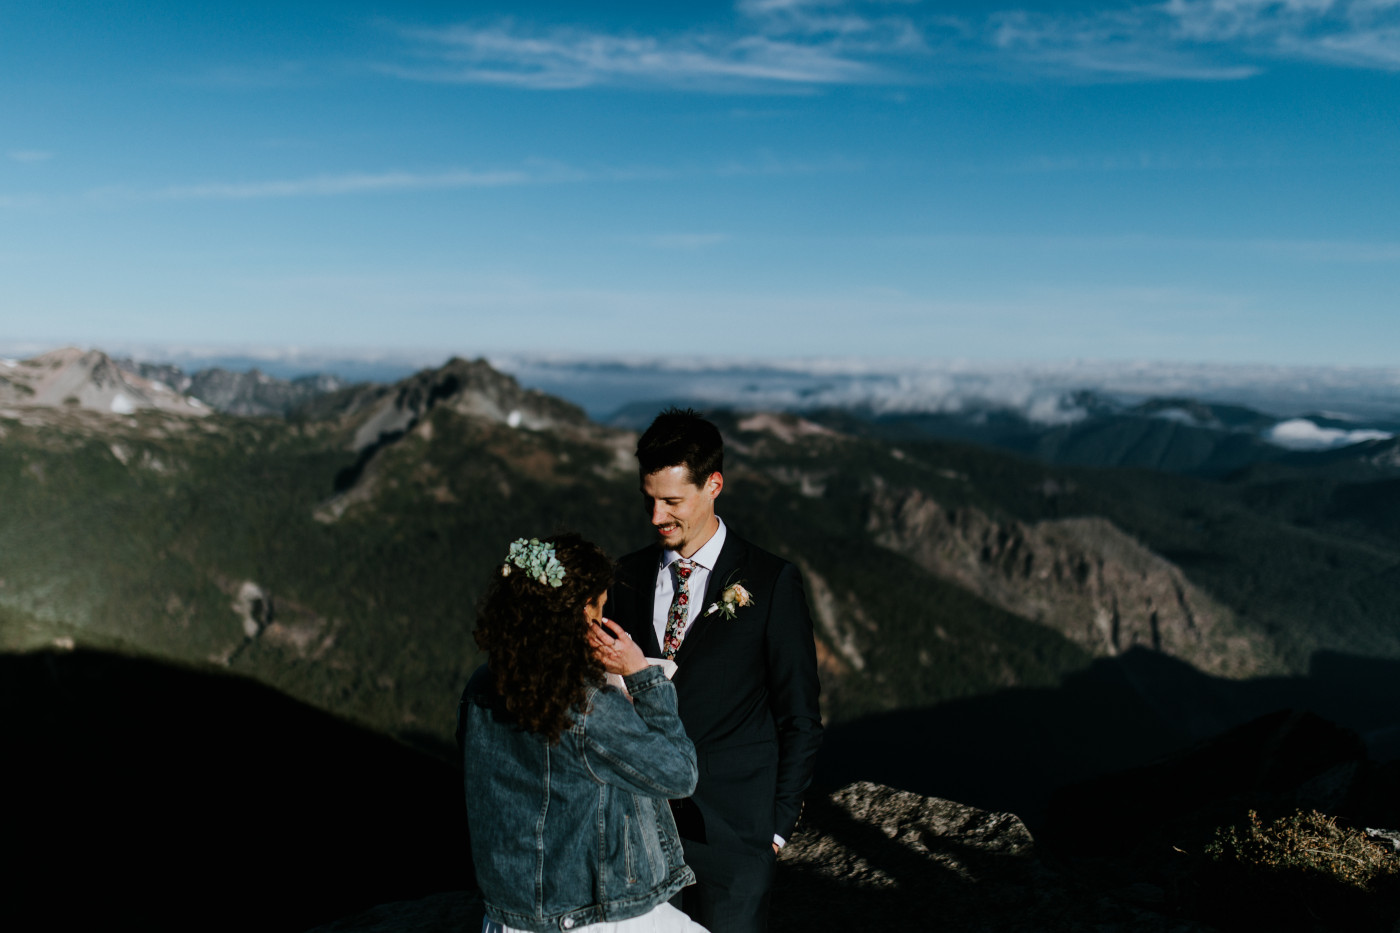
(1042, 392)
(1302, 434)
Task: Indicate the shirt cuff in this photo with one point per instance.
(779, 841)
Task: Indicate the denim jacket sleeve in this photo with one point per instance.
(639, 746)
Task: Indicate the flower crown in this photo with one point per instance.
(537, 560)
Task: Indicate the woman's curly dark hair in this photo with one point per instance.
(538, 641)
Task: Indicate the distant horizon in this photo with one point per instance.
(605, 384)
(310, 354)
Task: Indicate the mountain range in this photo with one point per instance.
(993, 622)
(1021, 570)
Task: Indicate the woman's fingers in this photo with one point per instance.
(615, 649)
(600, 637)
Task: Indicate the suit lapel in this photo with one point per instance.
(726, 571)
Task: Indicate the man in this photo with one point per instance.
(746, 673)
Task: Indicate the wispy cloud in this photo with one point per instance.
(327, 185)
(1202, 39)
(771, 43)
(843, 25)
(813, 43)
(1122, 44)
(29, 155)
(533, 172)
(564, 59)
(1355, 33)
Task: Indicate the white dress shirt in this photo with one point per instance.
(699, 578)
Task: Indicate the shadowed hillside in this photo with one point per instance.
(1010, 750)
(180, 799)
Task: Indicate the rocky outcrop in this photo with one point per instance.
(253, 606)
(282, 624)
(871, 857)
(1083, 577)
(257, 393)
(72, 378)
(468, 388)
(239, 393)
(787, 428)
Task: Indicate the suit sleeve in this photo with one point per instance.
(793, 691)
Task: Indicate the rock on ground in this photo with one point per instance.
(871, 857)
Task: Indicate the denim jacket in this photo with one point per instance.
(580, 832)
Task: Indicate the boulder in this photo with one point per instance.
(873, 857)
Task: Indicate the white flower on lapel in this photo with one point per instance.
(734, 598)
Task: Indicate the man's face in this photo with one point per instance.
(682, 513)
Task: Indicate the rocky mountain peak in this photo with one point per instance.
(382, 417)
(74, 378)
(471, 388)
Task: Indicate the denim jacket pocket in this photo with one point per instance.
(644, 859)
(651, 838)
(628, 859)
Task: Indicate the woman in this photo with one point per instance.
(566, 779)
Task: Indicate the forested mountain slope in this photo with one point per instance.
(338, 555)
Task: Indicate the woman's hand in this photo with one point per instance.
(618, 654)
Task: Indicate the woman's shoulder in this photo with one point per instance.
(480, 685)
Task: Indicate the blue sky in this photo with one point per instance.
(1193, 180)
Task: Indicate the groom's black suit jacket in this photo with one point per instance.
(747, 689)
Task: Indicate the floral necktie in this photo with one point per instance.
(675, 618)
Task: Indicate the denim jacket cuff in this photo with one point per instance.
(648, 677)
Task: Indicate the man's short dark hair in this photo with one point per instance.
(680, 437)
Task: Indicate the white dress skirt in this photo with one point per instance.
(663, 918)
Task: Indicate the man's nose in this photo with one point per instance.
(658, 515)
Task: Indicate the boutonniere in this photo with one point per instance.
(734, 598)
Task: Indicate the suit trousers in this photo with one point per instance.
(731, 895)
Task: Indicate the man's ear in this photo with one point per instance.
(714, 484)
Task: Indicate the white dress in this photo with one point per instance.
(663, 918)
